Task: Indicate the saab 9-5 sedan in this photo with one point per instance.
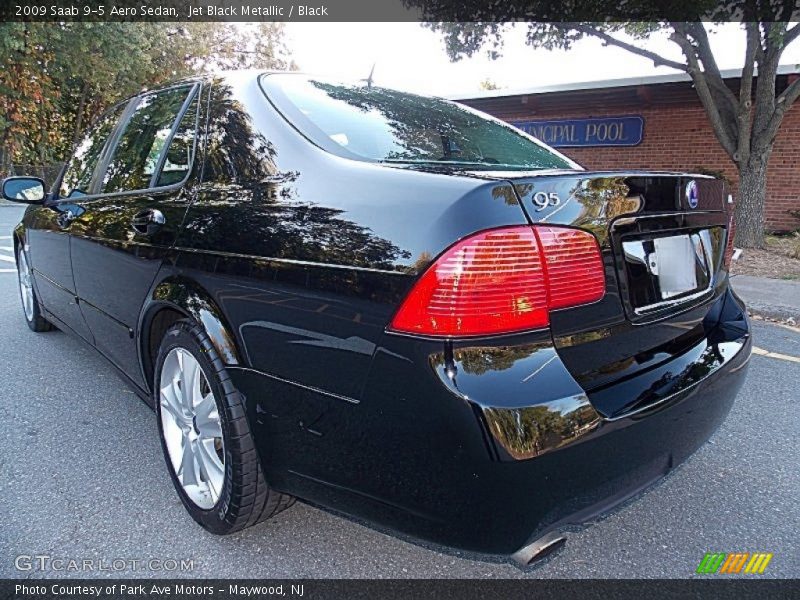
(388, 305)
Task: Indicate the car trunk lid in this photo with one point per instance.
(662, 237)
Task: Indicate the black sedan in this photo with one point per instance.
(388, 305)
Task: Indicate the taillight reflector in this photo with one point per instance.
(729, 249)
(731, 233)
(503, 280)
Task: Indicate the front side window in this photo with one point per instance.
(78, 175)
(138, 151)
(378, 124)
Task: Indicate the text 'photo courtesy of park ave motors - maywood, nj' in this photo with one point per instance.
(158, 590)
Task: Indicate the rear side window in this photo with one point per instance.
(78, 175)
(140, 146)
(180, 153)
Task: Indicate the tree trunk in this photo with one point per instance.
(750, 217)
(78, 129)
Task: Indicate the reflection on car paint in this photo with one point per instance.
(542, 410)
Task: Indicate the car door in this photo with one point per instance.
(48, 236)
(122, 233)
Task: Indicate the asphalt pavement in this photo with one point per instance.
(82, 478)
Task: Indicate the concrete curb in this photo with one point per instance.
(773, 313)
(776, 299)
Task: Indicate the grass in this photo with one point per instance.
(787, 244)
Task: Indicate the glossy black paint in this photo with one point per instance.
(294, 261)
(485, 493)
(47, 235)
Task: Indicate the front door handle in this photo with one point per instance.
(148, 222)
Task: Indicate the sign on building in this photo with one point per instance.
(606, 131)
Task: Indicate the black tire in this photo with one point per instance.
(246, 499)
(36, 322)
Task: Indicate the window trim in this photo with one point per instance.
(111, 145)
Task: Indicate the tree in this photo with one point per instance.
(23, 99)
(744, 120)
(55, 78)
(245, 46)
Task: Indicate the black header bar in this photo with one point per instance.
(399, 10)
(331, 589)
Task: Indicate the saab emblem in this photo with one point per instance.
(691, 194)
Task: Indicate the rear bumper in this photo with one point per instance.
(487, 448)
(571, 480)
(628, 454)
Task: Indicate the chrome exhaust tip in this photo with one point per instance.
(537, 550)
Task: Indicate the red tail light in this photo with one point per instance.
(504, 280)
(574, 266)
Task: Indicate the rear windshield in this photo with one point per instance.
(378, 124)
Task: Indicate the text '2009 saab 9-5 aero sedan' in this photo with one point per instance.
(389, 305)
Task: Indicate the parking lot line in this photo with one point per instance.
(778, 355)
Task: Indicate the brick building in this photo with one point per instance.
(597, 124)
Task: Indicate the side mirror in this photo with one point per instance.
(29, 190)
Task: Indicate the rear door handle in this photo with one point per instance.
(148, 222)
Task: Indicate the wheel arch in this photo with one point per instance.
(178, 298)
(18, 236)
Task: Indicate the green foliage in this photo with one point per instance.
(55, 78)
(488, 85)
(467, 39)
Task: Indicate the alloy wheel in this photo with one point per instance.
(191, 427)
(25, 286)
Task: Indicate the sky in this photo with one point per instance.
(410, 57)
